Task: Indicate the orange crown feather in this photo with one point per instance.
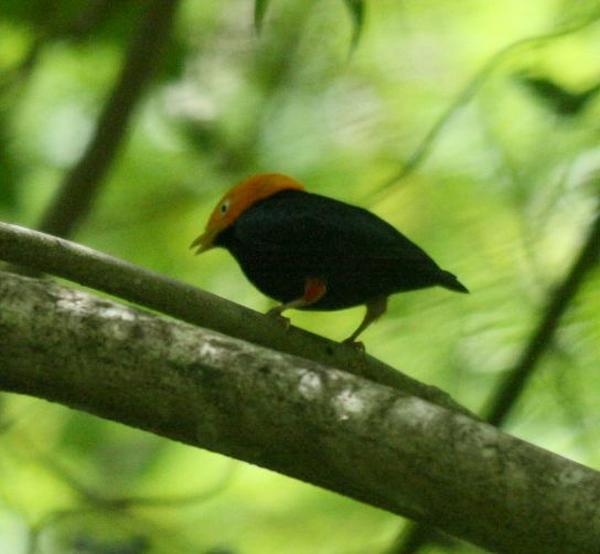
(237, 200)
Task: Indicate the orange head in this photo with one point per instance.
(238, 200)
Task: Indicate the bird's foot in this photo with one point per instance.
(275, 313)
(355, 344)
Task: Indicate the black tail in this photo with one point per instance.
(449, 281)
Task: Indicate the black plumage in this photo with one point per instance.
(293, 235)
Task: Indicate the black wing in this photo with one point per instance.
(312, 225)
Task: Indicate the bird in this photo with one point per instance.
(312, 252)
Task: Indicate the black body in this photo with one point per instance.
(281, 241)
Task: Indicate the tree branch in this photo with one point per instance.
(514, 381)
(93, 269)
(294, 416)
(80, 187)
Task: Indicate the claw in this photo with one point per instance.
(314, 290)
(275, 313)
(355, 344)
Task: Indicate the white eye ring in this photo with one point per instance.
(224, 207)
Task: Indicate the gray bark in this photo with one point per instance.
(324, 426)
(44, 253)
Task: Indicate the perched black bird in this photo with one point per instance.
(311, 252)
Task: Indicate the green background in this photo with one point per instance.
(502, 197)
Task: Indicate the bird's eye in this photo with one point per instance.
(224, 207)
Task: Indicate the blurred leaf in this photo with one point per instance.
(357, 11)
(220, 550)
(82, 435)
(173, 60)
(260, 8)
(76, 19)
(88, 544)
(554, 97)
(32, 11)
(83, 531)
(8, 184)
(9, 171)
(569, 12)
(116, 451)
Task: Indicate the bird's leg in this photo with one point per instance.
(314, 290)
(375, 309)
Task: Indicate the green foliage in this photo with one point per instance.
(356, 8)
(557, 99)
(357, 12)
(502, 197)
(9, 174)
(260, 8)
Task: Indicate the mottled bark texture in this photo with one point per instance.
(48, 254)
(292, 415)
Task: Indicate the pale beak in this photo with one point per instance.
(204, 242)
